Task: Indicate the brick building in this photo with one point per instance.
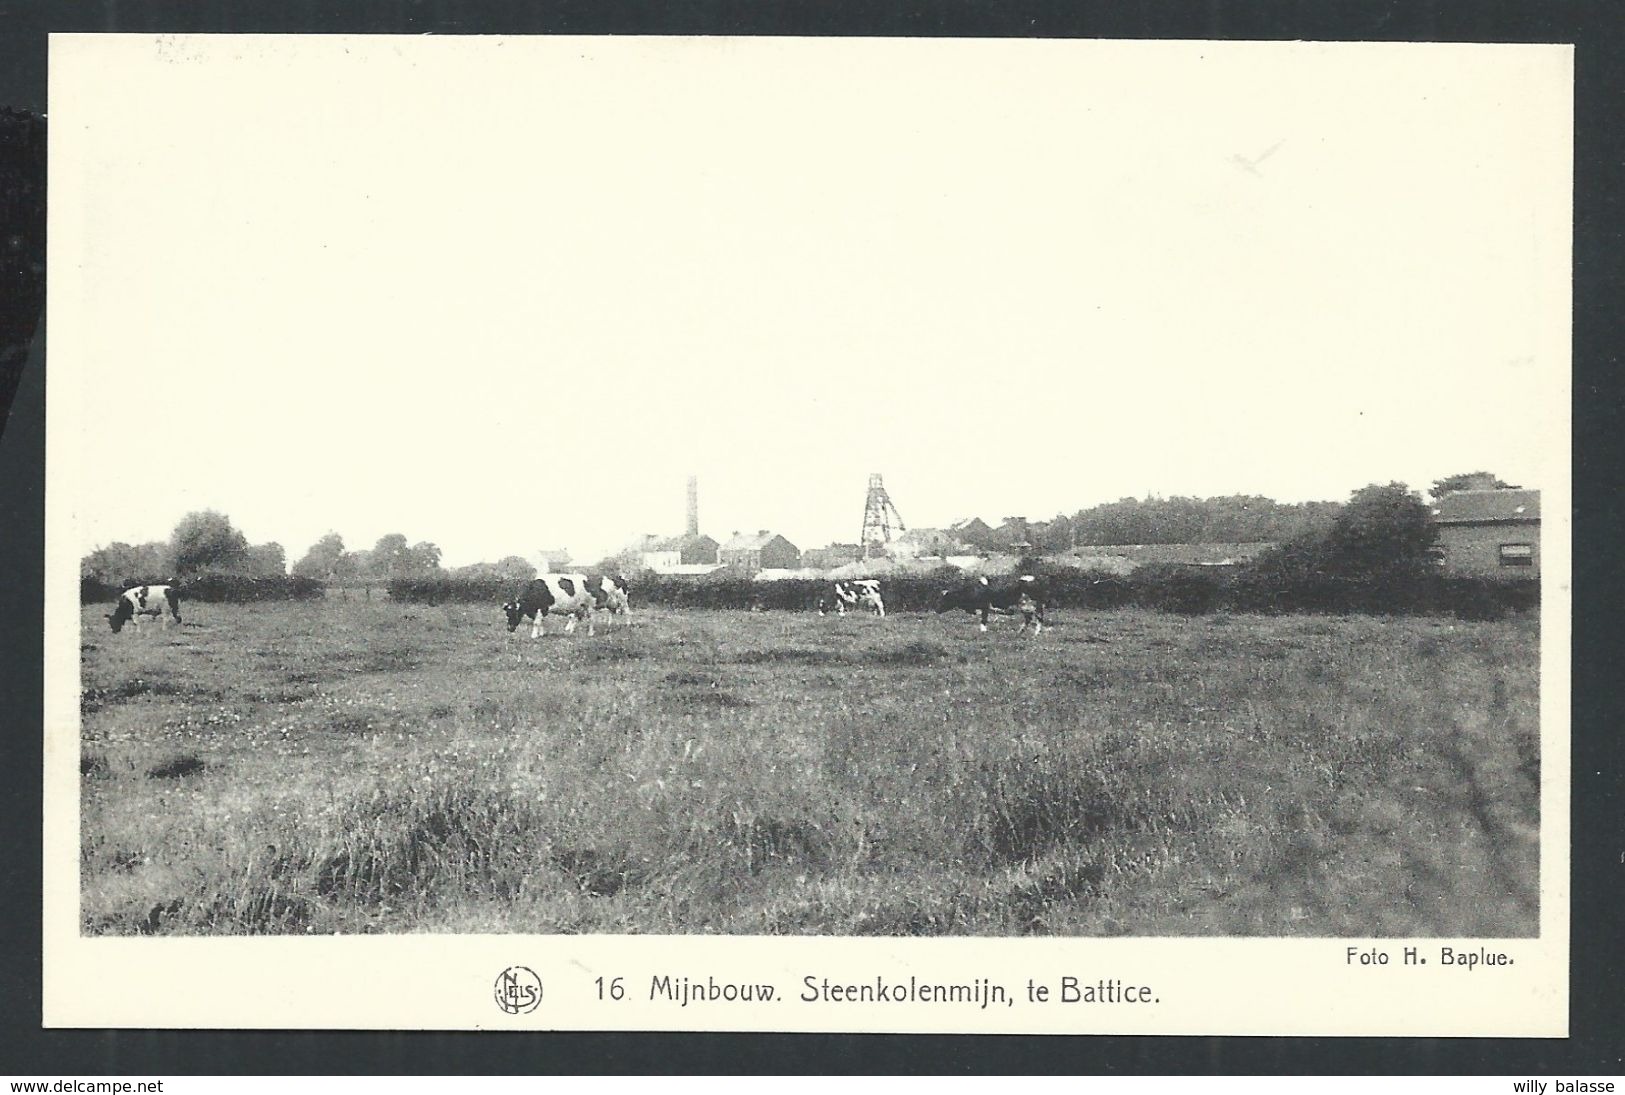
(1489, 533)
(835, 555)
(669, 552)
(760, 550)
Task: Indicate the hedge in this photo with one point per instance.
(217, 588)
(446, 589)
(1419, 595)
(1187, 590)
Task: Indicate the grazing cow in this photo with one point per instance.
(139, 601)
(1024, 595)
(610, 593)
(852, 594)
(567, 595)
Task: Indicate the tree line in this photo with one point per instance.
(391, 559)
(1227, 519)
(1237, 519)
(1380, 528)
(206, 543)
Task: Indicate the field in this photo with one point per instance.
(366, 766)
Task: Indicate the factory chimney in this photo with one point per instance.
(693, 506)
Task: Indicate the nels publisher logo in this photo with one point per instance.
(518, 990)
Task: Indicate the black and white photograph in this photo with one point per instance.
(811, 534)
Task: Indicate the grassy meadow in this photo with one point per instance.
(367, 766)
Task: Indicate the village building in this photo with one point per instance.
(667, 554)
(1016, 534)
(929, 543)
(1489, 533)
(975, 532)
(550, 560)
(828, 558)
(762, 550)
(698, 550)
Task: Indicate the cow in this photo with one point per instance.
(139, 601)
(853, 593)
(1025, 595)
(610, 593)
(567, 595)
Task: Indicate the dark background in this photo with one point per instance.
(1597, 1044)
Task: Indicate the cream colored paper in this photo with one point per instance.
(1025, 242)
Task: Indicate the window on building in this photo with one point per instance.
(1517, 555)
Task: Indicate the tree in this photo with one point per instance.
(1468, 480)
(1058, 535)
(108, 562)
(1381, 542)
(509, 568)
(351, 565)
(625, 561)
(119, 563)
(516, 567)
(206, 540)
(421, 559)
(152, 560)
(266, 561)
(356, 565)
(1243, 519)
(1383, 532)
(323, 559)
(390, 558)
(387, 559)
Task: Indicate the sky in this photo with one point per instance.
(508, 294)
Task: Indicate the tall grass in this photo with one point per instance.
(351, 767)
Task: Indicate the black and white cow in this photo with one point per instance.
(610, 593)
(1025, 595)
(568, 595)
(853, 594)
(139, 601)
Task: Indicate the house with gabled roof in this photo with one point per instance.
(760, 550)
(550, 560)
(835, 555)
(667, 553)
(919, 543)
(1489, 533)
(975, 532)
